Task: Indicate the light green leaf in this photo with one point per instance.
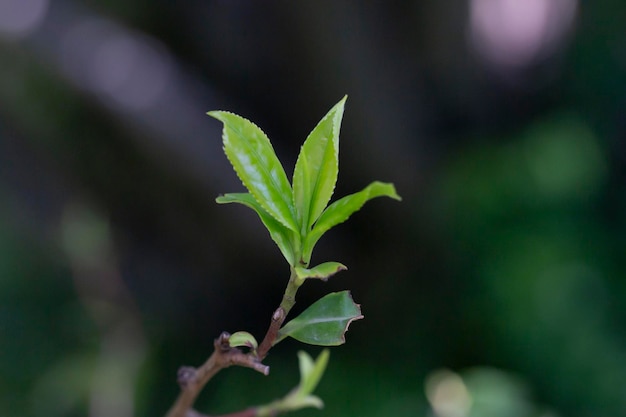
(315, 174)
(325, 322)
(251, 154)
(321, 271)
(339, 211)
(300, 397)
(308, 401)
(311, 372)
(282, 236)
(239, 339)
(306, 364)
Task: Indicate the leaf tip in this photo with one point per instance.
(394, 193)
(216, 114)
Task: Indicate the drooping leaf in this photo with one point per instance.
(321, 271)
(282, 236)
(325, 322)
(239, 339)
(252, 156)
(339, 211)
(315, 174)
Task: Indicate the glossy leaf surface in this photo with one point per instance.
(339, 211)
(325, 322)
(279, 233)
(295, 217)
(252, 156)
(317, 167)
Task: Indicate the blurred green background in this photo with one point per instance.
(495, 288)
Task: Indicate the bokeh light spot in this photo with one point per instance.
(512, 33)
(565, 159)
(130, 72)
(124, 68)
(18, 18)
(447, 394)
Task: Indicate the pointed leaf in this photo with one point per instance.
(251, 154)
(306, 364)
(325, 322)
(311, 372)
(300, 397)
(321, 271)
(339, 211)
(316, 170)
(282, 236)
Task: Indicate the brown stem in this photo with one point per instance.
(193, 380)
(279, 316)
(272, 332)
(249, 412)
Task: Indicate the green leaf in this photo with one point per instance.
(251, 154)
(321, 271)
(325, 322)
(282, 236)
(315, 174)
(339, 211)
(306, 364)
(238, 339)
(307, 401)
(311, 372)
(300, 397)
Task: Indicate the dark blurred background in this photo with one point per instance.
(496, 288)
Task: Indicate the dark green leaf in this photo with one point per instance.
(339, 211)
(325, 322)
(316, 170)
(282, 236)
(250, 152)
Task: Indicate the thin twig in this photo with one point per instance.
(272, 332)
(279, 316)
(192, 380)
(249, 412)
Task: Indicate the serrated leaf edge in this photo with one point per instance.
(307, 219)
(287, 200)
